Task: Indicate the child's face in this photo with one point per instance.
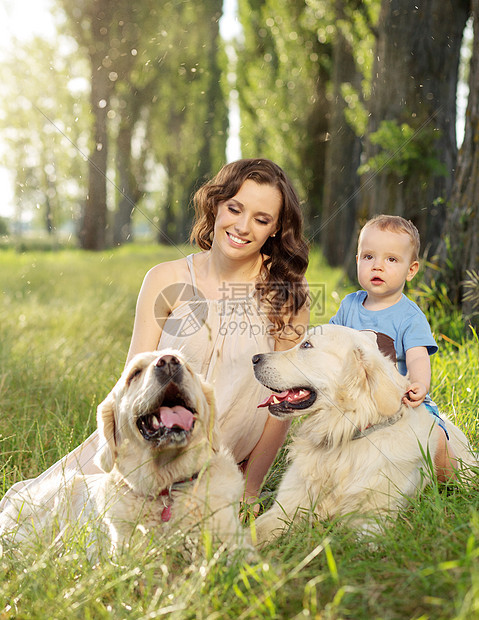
(384, 263)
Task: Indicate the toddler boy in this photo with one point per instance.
(388, 257)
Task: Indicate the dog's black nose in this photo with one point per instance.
(256, 358)
(167, 360)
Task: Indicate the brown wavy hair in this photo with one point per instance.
(285, 256)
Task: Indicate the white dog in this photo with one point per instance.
(360, 451)
(164, 464)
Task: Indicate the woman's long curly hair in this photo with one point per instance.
(285, 256)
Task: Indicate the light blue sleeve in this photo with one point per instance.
(346, 308)
(338, 318)
(418, 334)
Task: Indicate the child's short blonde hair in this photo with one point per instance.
(397, 224)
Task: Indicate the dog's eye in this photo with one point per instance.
(134, 373)
(306, 345)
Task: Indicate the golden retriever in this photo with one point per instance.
(360, 451)
(163, 461)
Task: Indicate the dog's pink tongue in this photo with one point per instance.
(177, 416)
(273, 399)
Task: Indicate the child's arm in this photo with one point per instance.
(419, 370)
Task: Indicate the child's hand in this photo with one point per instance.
(415, 394)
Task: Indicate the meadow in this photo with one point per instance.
(66, 319)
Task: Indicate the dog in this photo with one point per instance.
(164, 466)
(360, 451)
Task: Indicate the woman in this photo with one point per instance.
(244, 293)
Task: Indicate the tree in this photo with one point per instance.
(187, 122)
(45, 130)
(94, 26)
(411, 139)
(156, 102)
(169, 107)
(458, 256)
(139, 78)
(281, 79)
(351, 60)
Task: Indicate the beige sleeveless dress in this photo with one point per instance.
(218, 337)
(226, 334)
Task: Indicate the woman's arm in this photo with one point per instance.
(151, 311)
(275, 430)
(263, 455)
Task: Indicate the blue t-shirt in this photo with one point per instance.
(404, 322)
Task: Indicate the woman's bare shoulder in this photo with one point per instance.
(169, 272)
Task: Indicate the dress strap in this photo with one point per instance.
(191, 269)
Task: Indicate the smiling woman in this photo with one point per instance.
(249, 285)
(283, 256)
(248, 218)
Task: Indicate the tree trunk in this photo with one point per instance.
(460, 247)
(414, 83)
(313, 153)
(167, 230)
(122, 232)
(342, 159)
(93, 232)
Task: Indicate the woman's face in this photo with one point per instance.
(245, 221)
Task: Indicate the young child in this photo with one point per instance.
(388, 253)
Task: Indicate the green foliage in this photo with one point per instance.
(471, 288)
(166, 111)
(454, 384)
(187, 115)
(404, 150)
(356, 113)
(4, 227)
(286, 83)
(444, 316)
(280, 62)
(65, 325)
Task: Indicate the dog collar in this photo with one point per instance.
(166, 512)
(359, 433)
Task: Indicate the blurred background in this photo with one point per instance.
(113, 113)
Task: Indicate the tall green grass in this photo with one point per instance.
(65, 324)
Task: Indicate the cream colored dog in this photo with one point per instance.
(164, 464)
(360, 451)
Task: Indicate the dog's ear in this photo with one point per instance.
(352, 384)
(384, 343)
(385, 383)
(212, 430)
(105, 416)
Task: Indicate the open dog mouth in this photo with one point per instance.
(172, 420)
(290, 400)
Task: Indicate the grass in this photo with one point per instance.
(66, 320)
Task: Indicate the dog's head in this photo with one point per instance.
(156, 418)
(334, 368)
